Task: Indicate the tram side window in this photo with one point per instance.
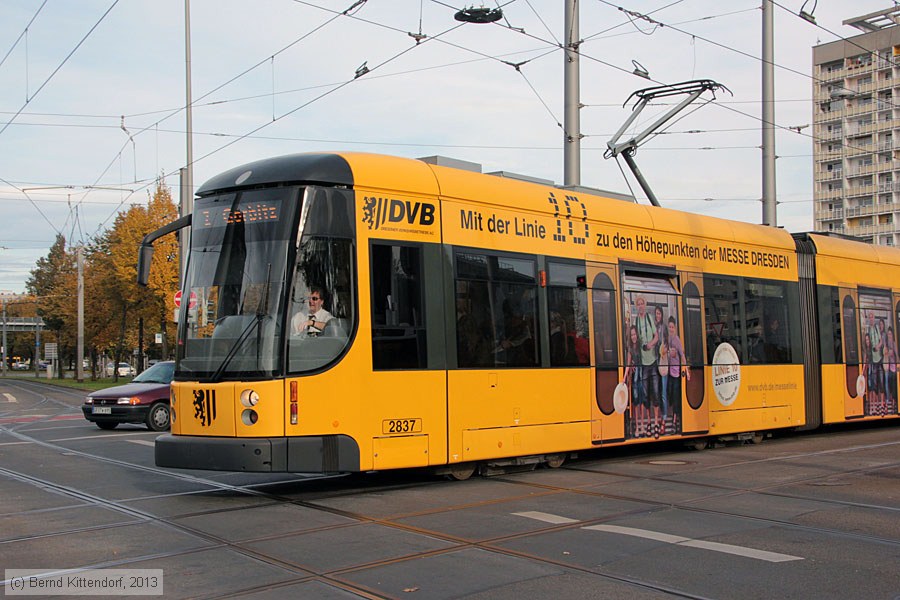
(768, 324)
(398, 319)
(567, 315)
(496, 310)
(723, 323)
(321, 303)
(830, 324)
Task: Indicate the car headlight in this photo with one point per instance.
(88, 400)
(129, 400)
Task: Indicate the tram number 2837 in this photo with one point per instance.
(401, 426)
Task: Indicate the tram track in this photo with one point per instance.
(333, 489)
(19, 408)
(330, 577)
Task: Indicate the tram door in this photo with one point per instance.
(853, 401)
(607, 413)
(694, 409)
(895, 358)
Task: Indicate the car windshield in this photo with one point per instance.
(158, 373)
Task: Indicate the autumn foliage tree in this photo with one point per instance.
(116, 303)
(51, 283)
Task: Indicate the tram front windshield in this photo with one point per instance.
(234, 284)
(247, 311)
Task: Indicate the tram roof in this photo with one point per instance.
(411, 176)
(856, 250)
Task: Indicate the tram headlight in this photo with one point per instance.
(249, 398)
(249, 417)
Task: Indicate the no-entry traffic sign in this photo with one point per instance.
(192, 300)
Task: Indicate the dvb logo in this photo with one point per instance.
(378, 211)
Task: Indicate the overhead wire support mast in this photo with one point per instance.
(693, 89)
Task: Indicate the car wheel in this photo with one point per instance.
(158, 417)
(107, 424)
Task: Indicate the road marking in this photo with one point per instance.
(32, 418)
(683, 541)
(545, 517)
(100, 436)
(10, 397)
(142, 442)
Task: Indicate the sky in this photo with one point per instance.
(92, 97)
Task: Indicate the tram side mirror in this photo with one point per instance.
(145, 257)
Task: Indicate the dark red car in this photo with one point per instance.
(144, 400)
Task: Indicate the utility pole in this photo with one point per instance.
(572, 100)
(79, 355)
(187, 173)
(37, 348)
(4, 337)
(769, 214)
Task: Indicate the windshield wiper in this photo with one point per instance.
(217, 376)
(259, 317)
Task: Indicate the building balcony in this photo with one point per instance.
(869, 209)
(860, 109)
(823, 134)
(871, 229)
(829, 155)
(826, 195)
(860, 190)
(865, 88)
(823, 175)
(822, 116)
(860, 171)
(866, 129)
(832, 75)
(824, 214)
(858, 149)
(853, 69)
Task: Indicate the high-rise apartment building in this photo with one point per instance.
(856, 116)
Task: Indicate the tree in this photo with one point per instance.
(53, 283)
(164, 270)
(120, 246)
(117, 303)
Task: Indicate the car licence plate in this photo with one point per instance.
(101, 410)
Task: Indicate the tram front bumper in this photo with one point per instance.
(307, 454)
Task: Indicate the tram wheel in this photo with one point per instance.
(757, 438)
(700, 444)
(555, 461)
(462, 471)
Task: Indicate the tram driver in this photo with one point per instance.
(312, 322)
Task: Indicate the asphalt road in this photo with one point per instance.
(813, 515)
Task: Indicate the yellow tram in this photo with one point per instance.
(359, 312)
